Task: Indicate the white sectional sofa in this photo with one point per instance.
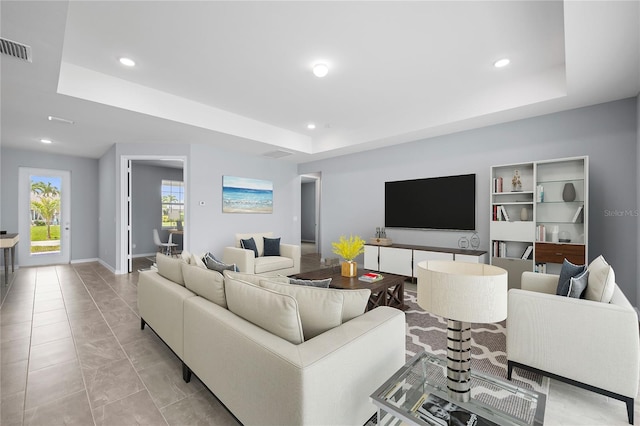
(312, 360)
(287, 263)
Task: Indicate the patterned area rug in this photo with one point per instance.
(426, 332)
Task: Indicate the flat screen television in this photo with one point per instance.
(447, 203)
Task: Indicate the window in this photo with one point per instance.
(172, 203)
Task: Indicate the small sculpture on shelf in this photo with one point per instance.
(516, 182)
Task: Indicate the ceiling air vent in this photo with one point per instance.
(17, 50)
(277, 154)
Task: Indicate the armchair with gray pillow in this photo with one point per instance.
(591, 342)
(262, 253)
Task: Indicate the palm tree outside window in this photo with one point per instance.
(172, 203)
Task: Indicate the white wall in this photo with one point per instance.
(353, 185)
(638, 189)
(84, 196)
(107, 208)
(213, 229)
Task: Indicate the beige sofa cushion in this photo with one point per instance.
(170, 268)
(320, 309)
(601, 281)
(355, 303)
(272, 263)
(254, 278)
(277, 313)
(206, 283)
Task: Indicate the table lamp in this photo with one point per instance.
(462, 293)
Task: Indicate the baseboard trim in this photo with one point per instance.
(93, 259)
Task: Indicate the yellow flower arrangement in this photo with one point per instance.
(350, 248)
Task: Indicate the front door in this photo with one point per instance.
(45, 217)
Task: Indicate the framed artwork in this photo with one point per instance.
(245, 195)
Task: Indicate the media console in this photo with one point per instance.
(402, 259)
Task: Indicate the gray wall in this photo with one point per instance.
(308, 211)
(214, 229)
(607, 133)
(107, 208)
(146, 204)
(638, 186)
(84, 196)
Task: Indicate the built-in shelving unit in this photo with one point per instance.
(538, 215)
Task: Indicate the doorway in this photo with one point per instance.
(44, 224)
(310, 213)
(143, 208)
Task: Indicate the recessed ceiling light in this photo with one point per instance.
(320, 70)
(502, 62)
(311, 126)
(47, 141)
(127, 62)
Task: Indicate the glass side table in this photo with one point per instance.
(417, 395)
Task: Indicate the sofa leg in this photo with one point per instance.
(509, 369)
(186, 373)
(630, 404)
(142, 324)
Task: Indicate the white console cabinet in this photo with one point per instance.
(401, 259)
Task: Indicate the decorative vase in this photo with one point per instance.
(524, 214)
(569, 192)
(349, 269)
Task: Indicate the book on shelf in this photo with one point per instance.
(497, 184)
(541, 234)
(577, 217)
(371, 277)
(504, 213)
(527, 252)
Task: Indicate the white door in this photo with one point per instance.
(44, 222)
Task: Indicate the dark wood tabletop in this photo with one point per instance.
(389, 291)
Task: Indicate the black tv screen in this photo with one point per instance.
(447, 202)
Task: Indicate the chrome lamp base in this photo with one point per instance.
(459, 360)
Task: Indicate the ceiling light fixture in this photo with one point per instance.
(320, 70)
(127, 62)
(311, 126)
(60, 120)
(47, 141)
(500, 63)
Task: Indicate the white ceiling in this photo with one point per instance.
(238, 74)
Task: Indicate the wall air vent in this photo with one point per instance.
(277, 154)
(17, 50)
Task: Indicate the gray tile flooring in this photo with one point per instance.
(72, 353)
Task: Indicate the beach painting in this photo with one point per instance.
(245, 195)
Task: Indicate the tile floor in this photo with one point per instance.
(72, 353)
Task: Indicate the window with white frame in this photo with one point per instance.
(172, 203)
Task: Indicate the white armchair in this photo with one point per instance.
(288, 263)
(589, 344)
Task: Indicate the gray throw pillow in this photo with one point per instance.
(249, 244)
(568, 271)
(311, 283)
(214, 264)
(578, 284)
(271, 246)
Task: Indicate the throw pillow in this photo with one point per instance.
(568, 270)
(169, 267)
(186, 256)
(214, 264)
(197, 260)
(249, 244)
(578, 284)
(602, 281)
(277, 313)
(271, 246)
(312, 283)
(206, 283)
(320, 309)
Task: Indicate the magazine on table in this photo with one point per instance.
(438, 411)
